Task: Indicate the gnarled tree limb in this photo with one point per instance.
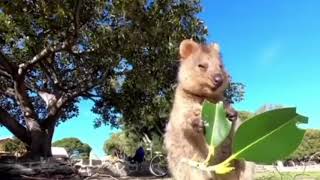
(56, 110)
(6, 64)
(14, 126)
(8, 92)
(76, 19)
(5, 74)
(43, 54)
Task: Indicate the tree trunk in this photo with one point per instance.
(36, 138)
(50, 132)
(40, 144)
(40, 137)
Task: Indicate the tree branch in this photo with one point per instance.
(5, 74)
(90, 96)
(56, 110)
(31, 86)
(8, 92)
(24, 101)
(9, 67)
(49, 50)
(13, 126)
(51, 75)
(43, 54)
(76, 19)
(87, 94)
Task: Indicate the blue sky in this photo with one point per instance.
(271, 46)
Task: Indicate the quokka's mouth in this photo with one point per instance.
(215, 85)
(214, 88)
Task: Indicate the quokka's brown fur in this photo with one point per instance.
(201, 76)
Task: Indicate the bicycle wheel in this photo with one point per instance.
(158, 166)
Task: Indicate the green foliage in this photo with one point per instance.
(269, 129)
(261, 139)
(74, 144)
(124, 142)
(235, 92)
(244, 115)
(309, 146)
(127, 143)
(28, 27)
(268, 107)
(310, 142)
(147, 42)
(272, 125)
(14, 145)
(218, 126)
(157, 143)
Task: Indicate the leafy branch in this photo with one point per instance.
(253, 138)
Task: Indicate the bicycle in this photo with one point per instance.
(157, 165)
(158, 162)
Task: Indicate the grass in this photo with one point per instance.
(288, 176)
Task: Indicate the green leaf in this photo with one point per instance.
(269, 136)
(218, 126)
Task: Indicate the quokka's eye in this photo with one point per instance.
(221, 66)
(203, 66)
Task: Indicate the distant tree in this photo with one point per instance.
(14, 146)
(268, 107)
(244, 115)
(309, 146)
(123, 142)
(127, 142)
(74, 144)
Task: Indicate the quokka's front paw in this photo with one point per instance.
(232, 114)
(198, 125)
(195, 121)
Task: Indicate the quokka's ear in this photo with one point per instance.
(187, 47)
(216, 47)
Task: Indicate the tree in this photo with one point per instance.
(120, 54)
(244, 115)
(124, 142)
(48, 60)
(268, 107)
(144, 93)
(128, 142)
(145, 85)
(14, 146)
(74, 144)
(309, 146)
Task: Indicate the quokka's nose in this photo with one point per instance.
(218, 80)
